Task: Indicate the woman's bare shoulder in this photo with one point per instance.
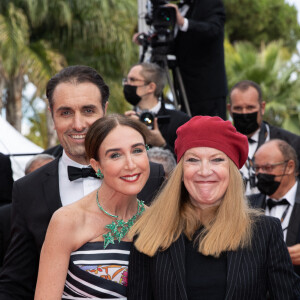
(67, 220)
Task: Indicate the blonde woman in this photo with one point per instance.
(200, 240)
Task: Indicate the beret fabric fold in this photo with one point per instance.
(213, 132)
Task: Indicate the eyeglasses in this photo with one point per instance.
(130, 80)
(269, 167)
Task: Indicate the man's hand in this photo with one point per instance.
(136, 37)
(179, 17)
(155, 137)
(132, 114)
(295, 254)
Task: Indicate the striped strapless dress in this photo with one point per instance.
(97, 273)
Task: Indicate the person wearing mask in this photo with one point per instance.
(246, 107)
(142, 88)
(199, 239)
(276, 168)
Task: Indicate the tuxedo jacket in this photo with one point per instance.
(169, 126)
(251, 273)
(5, 220)
(200, 51)
(35, 198)
(6, 179)
(293, 230)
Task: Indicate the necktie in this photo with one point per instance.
(75, 173)
(271, 203)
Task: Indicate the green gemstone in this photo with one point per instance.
(121, 223)
(108, 239)
(120, 228)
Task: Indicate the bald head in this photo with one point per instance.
(37, 162)
(277, 158)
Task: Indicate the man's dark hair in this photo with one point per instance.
(153, 73)
(75, 75)
(244, 86)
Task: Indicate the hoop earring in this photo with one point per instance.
(99, 174)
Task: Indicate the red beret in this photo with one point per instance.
(213, 132)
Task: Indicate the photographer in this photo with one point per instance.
(200, 55)
(142, 88)
(199, 51)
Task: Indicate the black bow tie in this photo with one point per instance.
(251, 141)
(75, 173)
(271, 203)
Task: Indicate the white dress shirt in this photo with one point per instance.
(277, 211)
(71, 191)
(155, 109)
(252, 148)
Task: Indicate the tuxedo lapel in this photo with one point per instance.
(177, 251)
(50, 187)
(233, 265)
(258, 201)
(294, 224)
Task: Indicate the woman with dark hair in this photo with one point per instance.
(86, 249)
(199, 239)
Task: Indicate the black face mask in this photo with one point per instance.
(245, 123)
(130, 94)
(266, 183)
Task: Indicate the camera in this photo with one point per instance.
(148, 117)
(162, 20)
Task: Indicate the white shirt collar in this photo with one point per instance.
(67, 161)
(154, 109)
(71, 191)
(290, 196)
(255, 136)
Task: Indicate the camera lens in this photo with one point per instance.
(148, 119)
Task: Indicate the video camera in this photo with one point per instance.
(162, 20)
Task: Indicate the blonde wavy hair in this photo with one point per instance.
(226, 227)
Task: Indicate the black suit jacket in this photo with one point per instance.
(5, 220)
(169, 126)
(6, 179)
(35, 198)
(200, 51)
(293, 231)
(251, 273)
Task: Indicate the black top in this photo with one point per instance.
(205, 275)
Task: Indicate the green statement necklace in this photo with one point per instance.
(119, 228)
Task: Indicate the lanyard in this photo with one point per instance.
(283, 217)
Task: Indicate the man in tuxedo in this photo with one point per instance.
(77, 97)
(247, 108)
(6, 185)
(5, 211)
(6, 179)
(143, 87)
(199, 49)
(276, 168)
